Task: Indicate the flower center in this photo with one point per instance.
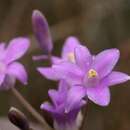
(91, 79)
(92, 73)
(71, 57)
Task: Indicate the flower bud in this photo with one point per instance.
(41, 31)
(17, 118)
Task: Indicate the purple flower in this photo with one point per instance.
(9, 67)
(42, 33)
(93, 73)
(65, 107)
(67, 51)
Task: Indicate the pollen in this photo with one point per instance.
(71, 57)
(92, 73)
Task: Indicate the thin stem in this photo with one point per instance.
(32, 111)
(85, 116)
(31, 129)
(49, 58)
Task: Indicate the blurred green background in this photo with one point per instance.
(99, 24)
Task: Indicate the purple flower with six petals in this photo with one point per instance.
(93, 73)
(9, 68)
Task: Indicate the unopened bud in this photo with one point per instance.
(17, 118)
(41, 31)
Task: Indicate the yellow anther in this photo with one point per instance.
(71, 57)
(92, 73)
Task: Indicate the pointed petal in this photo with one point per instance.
(53, 94)
(83, 57)
(105, 61)
(63, 89)
(70, 72)
(69, 46)
(59, 96)
(63, 86)
(116, 78)
(99, 95)
(51, 73)
(16, 49)
(18, 71)
(74, 98)
(47, 106)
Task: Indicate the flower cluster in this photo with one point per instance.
(85, 76)
(82, 76)
(65, 109)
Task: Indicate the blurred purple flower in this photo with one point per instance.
(68, 51)
(65, 107)
(9, 68)
(93, 73)
(42, 33)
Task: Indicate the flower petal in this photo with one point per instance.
(116, 78)
(51, 73)
(105, 61)
(47, 106)
(74, 98)
(9, 82)
(63, 86)
(2, 51)
(68, 71)
(2, 77)
(18, 71)
(99, 95)
(56, 60)
(69, 46)
(59, 96)
(53, 94)
(83, 57)
(16, 49)
(71, 73)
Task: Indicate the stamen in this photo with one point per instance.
(92, 73)
(71, 57)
